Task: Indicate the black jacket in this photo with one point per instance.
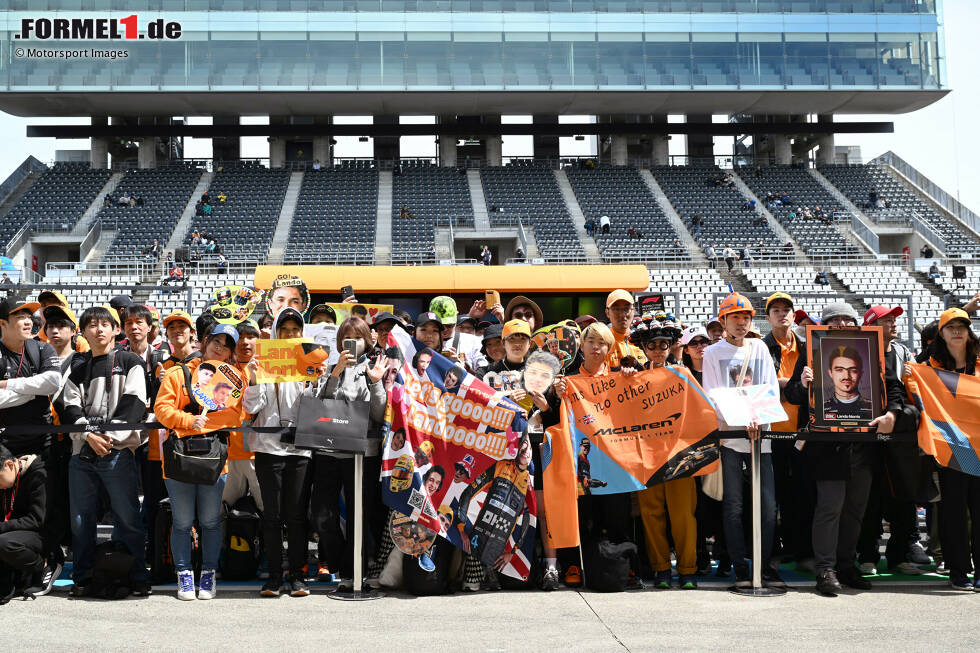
(30, 500)
(794, 392)
(832, 461)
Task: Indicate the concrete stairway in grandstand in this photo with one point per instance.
(382, 240)
(481, 216)
(179, 236)
(691, 245)
(841, 198)
(286, 213)
(575, 211)
(85, 222)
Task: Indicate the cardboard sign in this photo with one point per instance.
(344, 311)
(749, 404)
(282, 361)
(234, 304)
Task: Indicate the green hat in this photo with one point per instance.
(445, 308)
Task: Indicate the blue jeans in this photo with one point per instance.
(116, 473)
(188, 500)
(732, 504)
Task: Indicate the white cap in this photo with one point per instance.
(692, 332)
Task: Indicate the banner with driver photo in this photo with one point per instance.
(456, 457)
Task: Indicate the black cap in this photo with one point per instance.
(323, 308)
(426, 317)
(466, 317)
(384, 316)
(493, 331)
(119, 302)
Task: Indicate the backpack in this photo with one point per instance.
(241, 547)
(608, 566)
(419, 582)
(162, 568)
(112, 566)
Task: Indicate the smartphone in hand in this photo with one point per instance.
(350, 346)
(492, 298)
(346, 291)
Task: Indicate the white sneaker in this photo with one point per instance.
(471, 587)
(374, 583)
(907, 568)
(185, 586)
(208, 588)
(868, 569)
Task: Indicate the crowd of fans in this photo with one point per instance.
(823, 503)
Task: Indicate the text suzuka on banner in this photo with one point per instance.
(848, 389)
(217, 385)
(623, 434)
(457, 459)
(949, 428)
(282, 361)
(364, 311)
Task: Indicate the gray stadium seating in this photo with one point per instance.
(435, 197)
(57, 199)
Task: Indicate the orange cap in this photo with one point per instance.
(951, 314)
(618, 295)
(735, 303)
(516, 327)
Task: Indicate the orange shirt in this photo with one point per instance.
(620, 350)
(787, 363)
(171, 399)
(237, 445)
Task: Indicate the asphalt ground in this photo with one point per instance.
(892, 617)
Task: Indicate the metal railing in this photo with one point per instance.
(20, 173)
(941, 197)
(72, 269)
(91, 238)
(927, 232)
(336, 258)
(865, 234)
(18, 240)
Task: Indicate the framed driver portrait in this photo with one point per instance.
(848, 389)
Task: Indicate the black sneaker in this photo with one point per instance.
(742, 577)
(80, 590)
(771, 578)
(272, 588)
(141, 588)
(43, 580)
(298, 588)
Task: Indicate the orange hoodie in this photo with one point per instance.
(172, 397)
(621, 350)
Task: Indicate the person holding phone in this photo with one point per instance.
(353, 378)
(183, 417)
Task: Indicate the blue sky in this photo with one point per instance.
(937, 140)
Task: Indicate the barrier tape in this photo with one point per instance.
(810, 436)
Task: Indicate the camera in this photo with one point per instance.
(87, 454)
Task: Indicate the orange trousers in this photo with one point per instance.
(676, 499)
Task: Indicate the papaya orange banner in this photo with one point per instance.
(622, 434)
(949, 429)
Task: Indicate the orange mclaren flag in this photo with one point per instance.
(622, 434)
(949, 429)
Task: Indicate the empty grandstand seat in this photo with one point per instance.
(165, 192)
(434, 196)
(621, 194)
(57, 200)
(529, 191)
(857, 181)
(814, 236)
(244, 224)
(727, 222)
(336, 217)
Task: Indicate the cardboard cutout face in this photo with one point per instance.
(217, 385)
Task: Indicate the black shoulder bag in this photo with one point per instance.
(197, 459)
